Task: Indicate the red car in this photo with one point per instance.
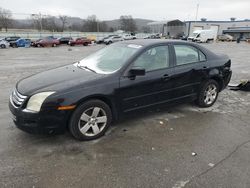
(48, 41)
(80, 41)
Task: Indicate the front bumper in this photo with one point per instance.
(44, 122)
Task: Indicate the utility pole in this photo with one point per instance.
(97, 26)
(40, 18)
(197, 11)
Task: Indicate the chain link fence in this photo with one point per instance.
(33, 35)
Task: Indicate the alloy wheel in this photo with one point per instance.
(210, 94)
(92, 121)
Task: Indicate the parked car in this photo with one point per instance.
(113, 39)
(80, 41)
(48, 41)
(225, 37)
(101, 40)
(65, 40)
(20, 43)
(128, 37)
(12, 38)
(184, 37)
(125, 77)
(4, 43)
(153, 36)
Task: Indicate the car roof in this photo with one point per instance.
(150, 42)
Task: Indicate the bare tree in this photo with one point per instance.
(91, 24)
(50, 23)
(128, 24)
(45, 22)
(5, 18)
(63, 19)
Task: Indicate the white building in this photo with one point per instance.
(237, 29)
(177, 28)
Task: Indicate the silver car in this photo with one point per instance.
(4, 44)
(113, 39)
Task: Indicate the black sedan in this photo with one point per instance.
(65, 40)
(87, 96)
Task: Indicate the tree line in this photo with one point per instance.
(63, 22)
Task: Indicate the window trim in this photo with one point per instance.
(151, 47)
(191, 46)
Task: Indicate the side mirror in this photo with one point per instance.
(137, 71)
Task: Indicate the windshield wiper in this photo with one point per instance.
(85, 67)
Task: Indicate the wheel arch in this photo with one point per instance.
(219, 80)
(104, 99)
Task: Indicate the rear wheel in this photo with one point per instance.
(85, 44)
(208, 93)
(54, 45)
(90, 120)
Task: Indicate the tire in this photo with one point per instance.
(85, 44)
(39, 45)
(83, 124)
(54, 45)
(2, 46)
(208, 94)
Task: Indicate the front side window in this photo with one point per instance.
(153, 59)
(186, 54)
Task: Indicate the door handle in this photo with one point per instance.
(165, 77)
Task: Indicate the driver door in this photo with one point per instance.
(154, 87)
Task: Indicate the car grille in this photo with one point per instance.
(17, 99)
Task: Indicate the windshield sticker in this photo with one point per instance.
(134, 46)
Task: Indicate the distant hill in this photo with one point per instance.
(139, 23)
(76, 22)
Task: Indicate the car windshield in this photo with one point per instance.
(110, 59)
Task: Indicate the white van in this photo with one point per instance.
(202, 36)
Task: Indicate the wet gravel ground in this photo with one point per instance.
(152, 150)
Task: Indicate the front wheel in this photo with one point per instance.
(2, 46)
(208, 94)
(90, 120)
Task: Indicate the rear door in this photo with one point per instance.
(154, 87)
(190, 70)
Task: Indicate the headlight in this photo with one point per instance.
(35, 102)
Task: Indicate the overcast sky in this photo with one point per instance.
(112, 9)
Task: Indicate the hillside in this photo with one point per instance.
(76, 22)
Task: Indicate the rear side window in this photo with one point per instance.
(187, 54)
(202, 56)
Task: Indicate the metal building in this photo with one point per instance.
(171, 28)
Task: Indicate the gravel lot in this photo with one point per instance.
(152, 150)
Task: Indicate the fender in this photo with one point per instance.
(216, 75)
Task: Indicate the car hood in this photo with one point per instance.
(59, 79)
